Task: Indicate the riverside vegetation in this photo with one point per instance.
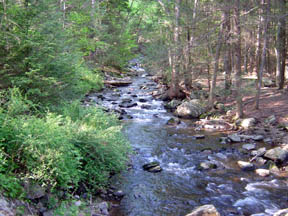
(48, 139)
(55, 52)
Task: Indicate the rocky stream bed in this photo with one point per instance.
(175, 168)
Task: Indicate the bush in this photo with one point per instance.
(60, 150)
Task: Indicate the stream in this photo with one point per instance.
(181, 187)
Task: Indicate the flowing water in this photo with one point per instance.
(180, 187)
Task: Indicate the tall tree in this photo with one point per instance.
(238, 74)
(265, 4)
(174, 91)
(281, 44)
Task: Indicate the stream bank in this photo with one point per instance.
(195, 171)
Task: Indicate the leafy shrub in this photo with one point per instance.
(60, 150)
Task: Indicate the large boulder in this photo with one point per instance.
(190, 109)
(205, 210)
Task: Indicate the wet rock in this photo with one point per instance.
(262, 172)
(259, 153)
(142, 100)
(101, 209)
(152, 167)
(119, 194)
(172, 105)
(6, 209)
(190, 109)
(199, 136)
(283, 212)
(127, 105)
(277, 154)
(145, 106)
(205, 210)
(224, 140)
(268, 141)
(246, 123)
(206, 166)
(246, 166)
(257, 138)
(173, 121)
(249, 205)
(234, 138)
(271, 120)
(249, 147)
(126, 100)
(33, 190)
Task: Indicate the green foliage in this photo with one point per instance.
(59, 150)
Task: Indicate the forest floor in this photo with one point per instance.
(272, 100)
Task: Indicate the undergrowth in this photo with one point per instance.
(59, 150)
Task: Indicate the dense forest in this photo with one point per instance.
(53, 53)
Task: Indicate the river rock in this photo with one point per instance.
(249, 205)
(246, 123)
(173, 121)
(127, 105)
(205, 210)
(277, 154)
(234, 138)
(6, 209)
(282, 212)
(271, 120)
(199, 136)
(249, 146)
(207, 166)
(119, 194)
(263, 172)
(190, 109)
(246, 166)
(142, 100)
(145, 106)
(173, 104)
(152, 167)
(101, 209)
(33, 190)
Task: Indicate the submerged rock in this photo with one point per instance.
(190, 109)
(205, 210)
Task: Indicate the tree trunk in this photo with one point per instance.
(281, 45)
(187, 51)
(238, 75)
(216, 66)
(174, 91)
(227, 55)
(263, 55)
